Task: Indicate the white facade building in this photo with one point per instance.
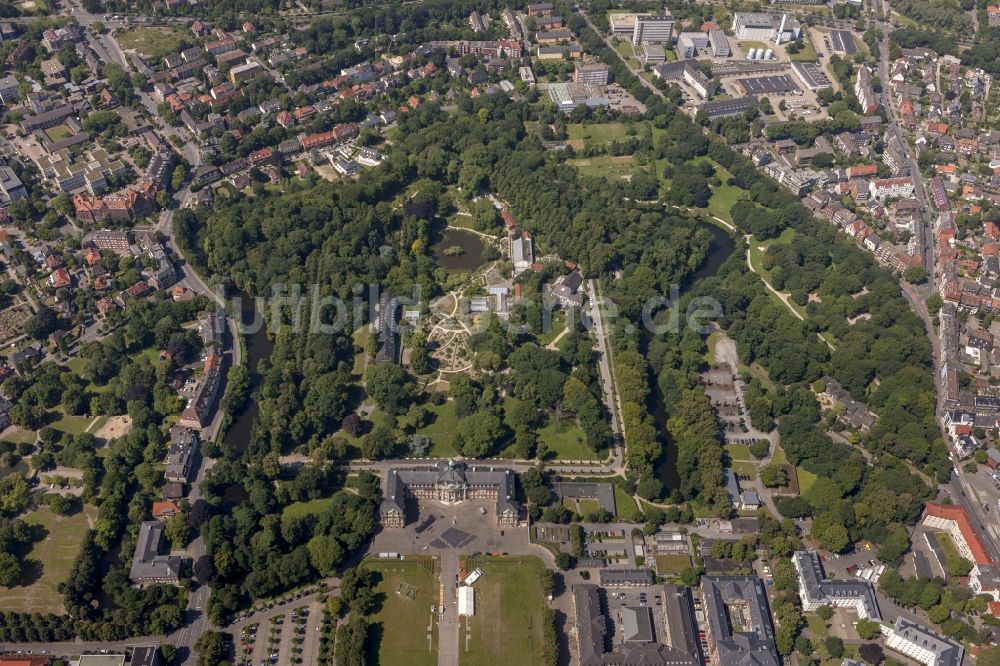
(653, 29)
(923, 645)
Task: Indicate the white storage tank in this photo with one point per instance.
(768, 54)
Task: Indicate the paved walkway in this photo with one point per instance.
(448, 626)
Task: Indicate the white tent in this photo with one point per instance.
(466, 601)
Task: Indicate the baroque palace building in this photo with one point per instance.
(451, 482)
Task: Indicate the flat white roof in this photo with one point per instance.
(466, 601)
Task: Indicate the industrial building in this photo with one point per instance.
(720, 44)
(725, 108)
(842, 41)
(811, 76)
(778, 84)
(568, 96)
(653, 29)
(766, 27)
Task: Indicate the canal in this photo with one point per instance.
(722, 246)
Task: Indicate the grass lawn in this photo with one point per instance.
(566, 441)
(605, 166)
(73, 425)
(745, 468)
(558, 325)
(21, 436)
(51, 559)
(750, 44)
(625, 506)
(817, 626)
(739, 452)
(806, 480)
(58, 133)
(759, 247)
(404, 629)
(151, 42)
(589, 506)
(807, 54)
(723, 196)
(597, 132)
(779, 457)
(713, 339)
(299, 509)
(672, 564)
(509, 614)
(360, 335)
(441, 429)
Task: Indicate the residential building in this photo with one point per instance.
(864, 91)
(815, 590)
(11, 187)
(148, 565)
(107, 239)
(9, 93)
(47, 119)
(183, 448)
(244, 72)
(923, 645)
(653, 30)
(199, 408)
(450, 482)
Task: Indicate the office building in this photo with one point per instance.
(720, 44)
(8, 90)
(595, 73)
(815, 590)
(740, 630)
(148, 565)
(923, 645)
(653, 29)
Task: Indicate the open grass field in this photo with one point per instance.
(597, 132)
(151, 42)
(816, 625)
(625, 505)
(404, 630)
(672, 564)
(605, 166)
(745, 468)
(589, 506)
(49, 562)
(300, 509)
(509, 614)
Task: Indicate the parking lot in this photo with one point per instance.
(288, 635)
